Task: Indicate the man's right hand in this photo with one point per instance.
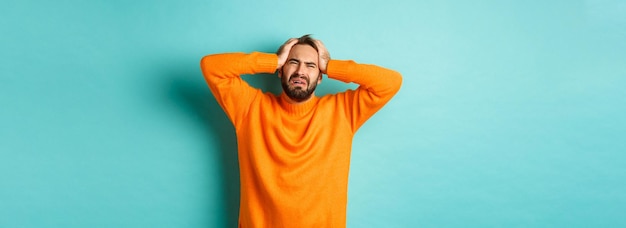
(284, 52)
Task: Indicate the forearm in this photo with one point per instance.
(377, 80)
(229, 65)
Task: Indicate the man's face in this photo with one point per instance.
(300, 73)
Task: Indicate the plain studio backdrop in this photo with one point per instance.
(511, 114)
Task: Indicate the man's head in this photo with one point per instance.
(301, 74)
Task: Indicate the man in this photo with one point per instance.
(294, 148)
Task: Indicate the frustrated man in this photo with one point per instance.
(294, 148)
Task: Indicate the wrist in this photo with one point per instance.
(266, 62)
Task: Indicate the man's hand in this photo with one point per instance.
(283, 52)
(323, 55)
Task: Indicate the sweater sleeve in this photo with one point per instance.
(222, 73)
(377, 85)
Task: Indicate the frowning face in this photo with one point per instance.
(300, 74)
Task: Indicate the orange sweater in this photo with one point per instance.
(294, 159)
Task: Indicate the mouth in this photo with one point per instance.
(298, 81)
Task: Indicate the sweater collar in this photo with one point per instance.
(300, 108)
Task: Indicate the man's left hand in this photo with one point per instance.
(324, 56)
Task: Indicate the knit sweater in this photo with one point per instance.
(294, 158)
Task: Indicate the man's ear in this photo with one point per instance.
(319, 78)
(280, 73)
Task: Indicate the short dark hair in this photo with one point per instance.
(306, 39)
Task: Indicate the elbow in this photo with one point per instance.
(205, 62)
(208, 65)
(391, 86)
(396, 81)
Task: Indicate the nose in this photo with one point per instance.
(301, 69)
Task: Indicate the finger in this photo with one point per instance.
(288, 45)
(320, 45)
(292, 42)
(322, 48)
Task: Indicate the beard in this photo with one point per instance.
(298, 93)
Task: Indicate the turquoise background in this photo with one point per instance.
(511, 114)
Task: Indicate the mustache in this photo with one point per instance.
(299, 76)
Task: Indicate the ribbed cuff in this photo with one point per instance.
(340, 70)
(265, 62)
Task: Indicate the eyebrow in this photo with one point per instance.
(297, 60)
